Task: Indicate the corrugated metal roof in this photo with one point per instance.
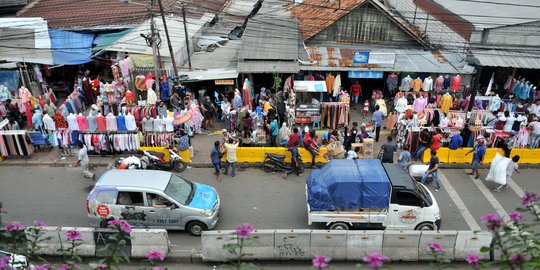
(407, 60)
(224, 56)
(494, 13)
(268, 67)
(494, 58)
(270, 35)
(210, 74)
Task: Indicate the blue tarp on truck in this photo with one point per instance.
(349, 185)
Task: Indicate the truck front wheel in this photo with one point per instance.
(338, 226)
(426, 226)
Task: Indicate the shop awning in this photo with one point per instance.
(105, 40)
(209, 74)
(506, 58)
(268, 66)
(70, 48)
(310, 86)
(25, 40)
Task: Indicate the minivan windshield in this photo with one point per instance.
(179, 189)
(424, 194)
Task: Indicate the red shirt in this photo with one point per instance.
(356, 89)
(436, 142)
(293, 138)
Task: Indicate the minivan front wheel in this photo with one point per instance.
(196, 228)
(426, 226)
(339, 226)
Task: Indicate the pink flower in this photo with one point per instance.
(375, 260)
(244, 230)
(73, 235)
(472, 260)
(158, 268)
(102, 266)
(436, 247)
(39, 223)
(515, 216)
(519, 258)
(122, 225)
(493, 221)
(4, 263)
(42, 267)
(152, 255)
(15, 226)
(529, 198)
(320, 261)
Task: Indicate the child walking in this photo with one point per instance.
(366, 108)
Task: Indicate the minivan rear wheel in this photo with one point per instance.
(196, 228)
(339, 226)
(426, 226)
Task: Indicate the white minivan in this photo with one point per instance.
(153, 199)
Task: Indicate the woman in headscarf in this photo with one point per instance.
(283, 136)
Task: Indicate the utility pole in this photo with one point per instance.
(171, 52)
(154, 46)
(186, 34)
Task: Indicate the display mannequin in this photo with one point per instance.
(151, 98)
(391, 82)
(148, 124)
(419, 104)
(446, 103)
(169, 123)
(417, 84)
(439, 83)
(401, 104)
(158, 125)
(428, 84)
(121, 122)
(101, 122)
(131, 124)
(111, 122)
(83, 123)
(456, 83)
(130, 98)
(447, 80)
(48, 122)
(72, 122)
(91, 120)
(406, 83)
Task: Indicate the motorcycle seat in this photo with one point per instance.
(157, 154)
(275, 156)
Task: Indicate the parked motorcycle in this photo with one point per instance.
(276, 163)
(158, 162)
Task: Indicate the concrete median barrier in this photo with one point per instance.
(87, 245)
(401, 245)
(446, 239)
(292, 244)
(261, 246)
(51, 242)
(361, 243)
(146, 240)
(329, 243)
(471, 242)
(213, 242)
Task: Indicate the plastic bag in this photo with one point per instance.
(497, 170)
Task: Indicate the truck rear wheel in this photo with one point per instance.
(338, 226)
(426, 226)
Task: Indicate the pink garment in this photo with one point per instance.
(24, 94)
(83, 123)
(419, 104)
(28, 112)
(439, 82)
(456, 83)
(101, 123)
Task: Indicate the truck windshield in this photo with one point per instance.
(179, 189)
(424, 194)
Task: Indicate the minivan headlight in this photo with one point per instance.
(207, 213)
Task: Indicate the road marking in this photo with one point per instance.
(473, 225)
(489, 196)
(518, 190)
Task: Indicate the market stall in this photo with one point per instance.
(308, 108)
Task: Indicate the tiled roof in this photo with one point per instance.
(316, 15)
(108, 14)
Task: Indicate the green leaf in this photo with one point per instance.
(485, 249)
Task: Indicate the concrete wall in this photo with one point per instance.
(94, 239)
(347, 245)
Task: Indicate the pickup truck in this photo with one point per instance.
(367, 194)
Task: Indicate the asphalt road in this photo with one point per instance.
(57, 196)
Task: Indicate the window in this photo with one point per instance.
(179, 189)
(408, 198)
(155, 199)
(130, 198)
(106, 196)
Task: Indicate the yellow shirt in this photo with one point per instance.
(267, 107)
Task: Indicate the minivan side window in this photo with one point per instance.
(407, 198)
(157, 201)
(106, 196)
(130, 198)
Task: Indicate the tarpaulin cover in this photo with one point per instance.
(70, 48)
(105, 40)
(349, 185)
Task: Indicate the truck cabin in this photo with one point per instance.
(405, 190)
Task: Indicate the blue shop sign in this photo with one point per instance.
(360, 57)
(365, 74)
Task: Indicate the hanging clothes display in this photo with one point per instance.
(157, 139)
(246, 94)
(446, 103)
(15, 143)
(334, 114)
(111, 142)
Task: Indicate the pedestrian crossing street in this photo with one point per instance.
(463, 200)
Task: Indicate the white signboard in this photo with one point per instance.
(382, 58)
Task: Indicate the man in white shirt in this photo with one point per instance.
(535, 126)
(84, 161)
(535, 108)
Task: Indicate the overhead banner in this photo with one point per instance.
(224, 82)
(365, 75)
(379, 58)
(310, 86)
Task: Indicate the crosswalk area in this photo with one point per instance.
(463, 200)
